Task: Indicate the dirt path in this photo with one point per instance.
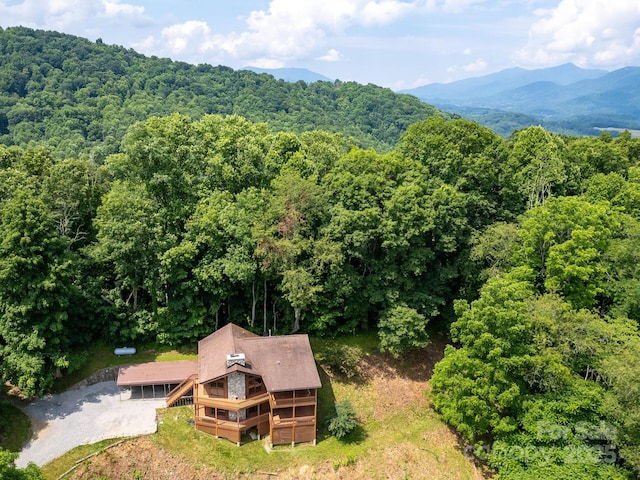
(83, 416)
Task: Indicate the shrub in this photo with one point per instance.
(344, 420)
(401, 329)
(342, 359)
(8, 470)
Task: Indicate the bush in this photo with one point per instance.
(400, 329)
(342, 359)
(344, 420)
(8, 470)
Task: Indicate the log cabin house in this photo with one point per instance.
(245, 382)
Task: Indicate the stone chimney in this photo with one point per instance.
(235, 359)
(236, 383)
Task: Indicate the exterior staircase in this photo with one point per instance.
(177, 395)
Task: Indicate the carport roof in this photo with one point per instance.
(156, 373)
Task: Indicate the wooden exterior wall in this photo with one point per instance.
(288, 417)
(222, 417)
(293, 416)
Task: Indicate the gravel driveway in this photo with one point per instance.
(84, 416)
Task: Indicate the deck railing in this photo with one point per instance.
(232, 405)
(240, 424)
(278, 421)
(297, 399)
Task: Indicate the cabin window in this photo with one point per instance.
(255, 386)
(216, 389)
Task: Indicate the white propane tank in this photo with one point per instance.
(125, 351)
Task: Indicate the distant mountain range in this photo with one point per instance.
(291, 74)
(565, 99)
(505, 80)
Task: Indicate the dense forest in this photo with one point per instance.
(75, 96)
(524, 250)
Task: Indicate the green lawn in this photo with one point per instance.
(177, 435)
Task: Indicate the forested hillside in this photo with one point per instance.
(76, 96)
(524, 250)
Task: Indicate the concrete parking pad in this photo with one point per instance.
(83, 416)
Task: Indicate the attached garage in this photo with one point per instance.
(153, 380)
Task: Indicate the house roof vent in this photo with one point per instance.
(235, 358)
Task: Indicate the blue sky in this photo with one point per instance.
(393, 43)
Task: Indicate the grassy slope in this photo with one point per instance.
(15, 427)
(400, 435)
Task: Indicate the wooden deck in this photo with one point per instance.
(232, 429)
(232, 405)
(240, 425)
(288, 417)
(291, 416)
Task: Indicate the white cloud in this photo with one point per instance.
(294, 29)
(594, 33)
(146, 45)
(71, 16)
(385, 11)
(291, 29)
(332, 55)
(266, 63)
(115, 9)
(420, 81)
(194, 35)
(475, 67)
(455, 6)
(288, 30)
